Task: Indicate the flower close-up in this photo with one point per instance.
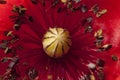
(59, 40)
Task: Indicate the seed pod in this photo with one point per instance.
(56, 42)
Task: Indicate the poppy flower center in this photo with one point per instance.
(56, 42)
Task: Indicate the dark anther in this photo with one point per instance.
(43, 2)
(19, 17)
(8, 33)
(15, 8)
(54, 3)
(59, 10)
(5, 59)
(89, 19)
(100, 63)
(18, 20)
(101, 75)
(13, 16)
(19, 47)
(4, 41)
(88, 29)
(99, 42)
(77, 8)
(16, 27)
(100, 13)
(13, 62)
(3, 45)
(12, 75)
(35, 1)
(100, 37)
(7, 50)
(95, 9)
(114, 58)
(107, 46)
(84, 77)
(83, 22)
(84, 8)
(89, 76)
(70, 6)
(3, 1)
(77, 1)
(25, 63)
(16, 37)
(22, 10)
(19, 9)
(58, 78)
(30, 18)
(32, 73)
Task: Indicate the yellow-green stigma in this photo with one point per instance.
(56, 42)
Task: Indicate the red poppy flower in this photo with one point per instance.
(59, 40)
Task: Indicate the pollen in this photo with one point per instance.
(56, 42)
